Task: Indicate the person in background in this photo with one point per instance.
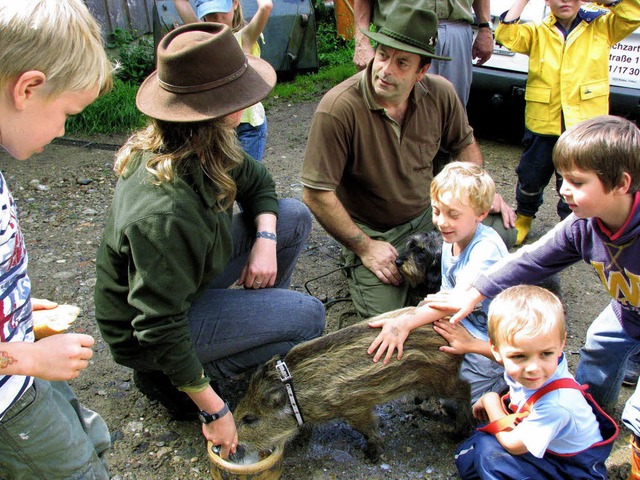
(456, 39)
(173, 246)
(46, 74)
(568, 82)
(252, 130)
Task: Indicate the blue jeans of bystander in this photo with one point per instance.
(253, 139)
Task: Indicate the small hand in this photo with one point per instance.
(458, 337)
(61, 356)
(392, 337)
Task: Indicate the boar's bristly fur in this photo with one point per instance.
(334, 378)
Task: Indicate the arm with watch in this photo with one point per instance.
(483, 43)
(218, 425)
(261, 268)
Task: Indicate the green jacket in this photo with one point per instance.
(162, 246)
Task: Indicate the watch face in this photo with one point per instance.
(205, 417)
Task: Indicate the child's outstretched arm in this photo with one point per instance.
(516, 10)
(460, 340)
(395, 331)
(252, 31)
(185, 10)
(58, 357)
(458, 303)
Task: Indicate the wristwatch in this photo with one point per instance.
(484, 25)
(206, 418)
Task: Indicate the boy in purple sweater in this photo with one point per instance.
(599, 160)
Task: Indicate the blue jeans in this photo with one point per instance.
(602, 365)
(48, 434)
(253, 139)
(534, 172)
(234, 330)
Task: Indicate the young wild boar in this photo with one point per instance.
(334, 378)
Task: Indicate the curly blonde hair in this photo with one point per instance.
(211, 143)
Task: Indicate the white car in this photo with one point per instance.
(502, 79)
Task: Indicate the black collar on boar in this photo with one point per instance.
(336, 379)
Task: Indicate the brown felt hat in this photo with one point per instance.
(203, 74)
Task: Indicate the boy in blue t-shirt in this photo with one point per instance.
(461, 196)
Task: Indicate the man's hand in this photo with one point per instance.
(482, 46)
(502, 207)
(222, 432)
(380, 258)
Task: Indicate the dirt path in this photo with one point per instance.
(63, 196)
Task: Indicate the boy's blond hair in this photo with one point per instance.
(59, 38)
(469, 184)
(607, 145)
(524, 309)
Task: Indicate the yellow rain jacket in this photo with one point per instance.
(572, 75)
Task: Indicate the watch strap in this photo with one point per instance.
(484, 25)
(212, 417)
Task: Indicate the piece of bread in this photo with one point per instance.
(55, 320)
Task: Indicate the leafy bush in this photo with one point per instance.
(136, 55)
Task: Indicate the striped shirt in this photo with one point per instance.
(15, 303)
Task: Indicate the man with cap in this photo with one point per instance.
(369, 159)
(454, 30)
(172, 245)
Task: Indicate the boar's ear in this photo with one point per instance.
(277, 397)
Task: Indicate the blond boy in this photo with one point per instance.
(560, 437)
(52, 64)
(461, 196)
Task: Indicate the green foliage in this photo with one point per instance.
(116, 112)
(136, 55)
(113, 112)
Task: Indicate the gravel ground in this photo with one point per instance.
(63, 196)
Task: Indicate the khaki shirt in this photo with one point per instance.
(451, 10)
(382, 171)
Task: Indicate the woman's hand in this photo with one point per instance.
(222, 432)
(262, 265)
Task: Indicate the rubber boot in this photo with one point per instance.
(635, 458)
(523, 225)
